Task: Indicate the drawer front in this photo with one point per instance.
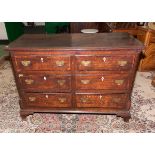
(102, 82)
(94, 63)
(45, 82)
(100, 100)
(60, 100)
(55, 63)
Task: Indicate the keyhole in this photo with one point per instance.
(42, 60)
(104, 59)
(100, 97)
(102, 78)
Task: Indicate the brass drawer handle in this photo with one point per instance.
(119, 82)
(32, 99)
(116, 100)
(62, 99)
(122, 63)
(61, 82)
(84, 99)
(85, 63)
(60, 63)
(29, 81)
(85, 81)
(25, 63)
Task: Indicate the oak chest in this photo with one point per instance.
(75, 73)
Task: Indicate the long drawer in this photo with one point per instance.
(104, 62)
(58, 100)
(45, 82)
(102, 82)
(46, 62)
(101, 100)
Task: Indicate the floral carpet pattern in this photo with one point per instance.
(142, 112)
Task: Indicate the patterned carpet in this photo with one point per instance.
(142, 111)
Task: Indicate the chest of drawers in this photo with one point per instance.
(147, 36)
(75, 73)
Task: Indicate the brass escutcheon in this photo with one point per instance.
(42, 59)
(101, 97)
(26, 63)
(122, 63)
(85, 63)
(61, 82)
(119, 82)
(29, 81)
(62, 99)
(104, 59)
(32, 99)
(102, 78)
(85, 81)
(60, 63)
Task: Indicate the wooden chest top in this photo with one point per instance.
(79, 41)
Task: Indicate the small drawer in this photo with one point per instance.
(101, 100)
(53, 63)
(56, 100)
(45, 82)
(106, 62)
(102, 82)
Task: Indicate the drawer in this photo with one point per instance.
(32, 62)
(100, 100)
(102, 82)
(45, 82)
(105, 62)
(60, 100)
